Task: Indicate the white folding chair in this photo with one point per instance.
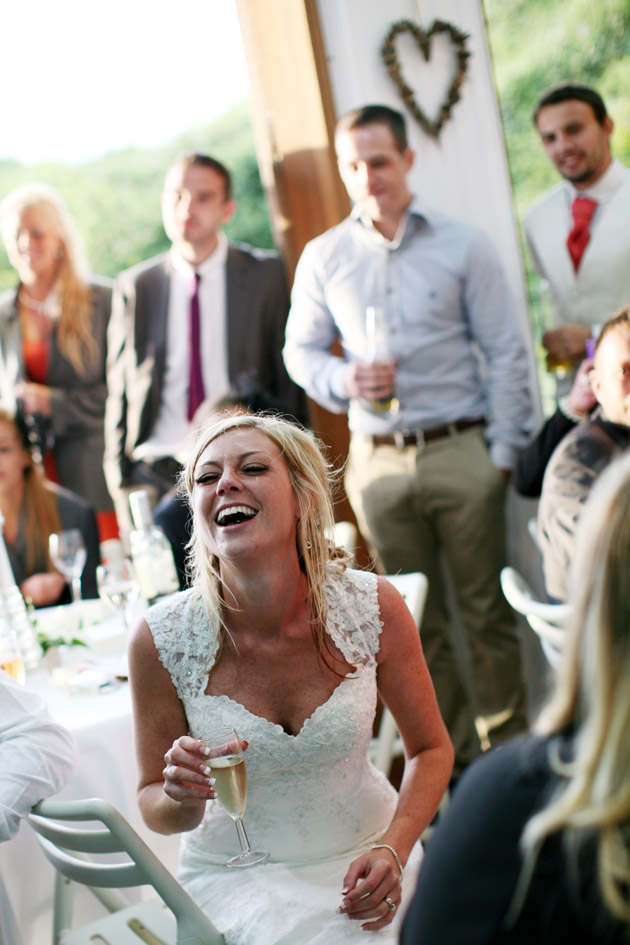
(546, 620)
(387, 745)
(74, 852)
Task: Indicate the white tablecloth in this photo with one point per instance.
(102, 724)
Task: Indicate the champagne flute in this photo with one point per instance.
(561, 367)
(228, 768)
(68, 554)
(377, 349)
(117, 584)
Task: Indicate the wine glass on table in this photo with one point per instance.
(68, 554)
(117, 584)
(227, 761)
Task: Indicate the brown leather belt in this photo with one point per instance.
(401, 438)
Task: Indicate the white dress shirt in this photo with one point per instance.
(36, 757)
(36, 753)
(171, 435)
(603, 189)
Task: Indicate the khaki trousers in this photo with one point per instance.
(447, 496)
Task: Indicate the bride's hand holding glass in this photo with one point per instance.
(187, 776)
(196, 772)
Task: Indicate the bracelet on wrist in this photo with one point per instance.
(386, 846)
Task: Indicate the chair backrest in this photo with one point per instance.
(413, 587)
(387, 744)
(66, 848)
(521, 597)
(546, 620)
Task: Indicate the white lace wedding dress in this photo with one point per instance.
(314, 800)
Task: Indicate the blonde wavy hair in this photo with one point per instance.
(40, 504)
(74, 331)
(592, 696)
(311, 478)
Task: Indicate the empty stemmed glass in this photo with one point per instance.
(117, 584)
(227, 762)
(68, 554)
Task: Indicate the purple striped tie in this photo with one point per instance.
(195, 387)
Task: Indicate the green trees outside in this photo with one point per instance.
(534, 43)
(116, 199)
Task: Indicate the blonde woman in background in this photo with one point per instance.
(536, 844)
(53, 341)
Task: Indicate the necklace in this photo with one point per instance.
(42, 308)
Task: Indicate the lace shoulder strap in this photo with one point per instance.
(353, 614)
(186, 643)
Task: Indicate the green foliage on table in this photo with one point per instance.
(116, 198)
(47, 642)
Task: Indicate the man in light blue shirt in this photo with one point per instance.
(428, 475)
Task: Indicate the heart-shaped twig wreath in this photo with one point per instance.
(423, 39)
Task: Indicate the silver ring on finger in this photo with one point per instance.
(391, 905)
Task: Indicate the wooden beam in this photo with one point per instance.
(294, 121)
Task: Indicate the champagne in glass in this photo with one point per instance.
(231, 784)
(377, 349)
(68, 554)
(560, 366)
(227, 762)
(11, 659)
(117, 584)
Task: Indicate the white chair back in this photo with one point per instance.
(387, 745)
(413, 588)
(546, 620)
(73, 851)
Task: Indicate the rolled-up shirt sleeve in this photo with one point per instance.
(36, 754)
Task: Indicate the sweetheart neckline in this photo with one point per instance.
(353, 677)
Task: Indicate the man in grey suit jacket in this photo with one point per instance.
(242, 303)
(575, 130)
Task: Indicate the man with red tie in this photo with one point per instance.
(203, 321)
(578, 232)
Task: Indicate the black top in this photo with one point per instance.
(173, 516)
(74, 512)
(468, 879)
(532, 461)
